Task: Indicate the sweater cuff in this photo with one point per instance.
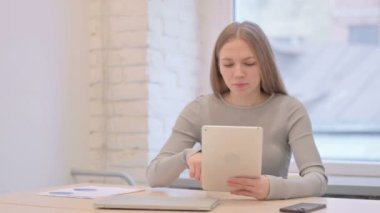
(277, 188)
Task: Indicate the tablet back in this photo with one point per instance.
(230, 151)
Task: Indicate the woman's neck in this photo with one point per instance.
(245, 100)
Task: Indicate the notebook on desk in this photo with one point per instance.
(130, 201)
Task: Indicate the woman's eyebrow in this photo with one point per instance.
(249, 57)
(230, 59)
(226, 59)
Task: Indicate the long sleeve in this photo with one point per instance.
(312, 180)
(287, 129)
(171, 160)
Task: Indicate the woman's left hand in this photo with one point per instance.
(253, 187)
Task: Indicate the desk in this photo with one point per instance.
(35, 209)
(31, 203)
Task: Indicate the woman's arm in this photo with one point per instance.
(312, 180)
(171, 160)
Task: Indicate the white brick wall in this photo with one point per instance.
(118, 86)
(146, 62)
(173, 55)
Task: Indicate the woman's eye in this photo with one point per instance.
(228, 65)
(250, 64)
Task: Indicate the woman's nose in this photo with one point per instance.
(238, 72)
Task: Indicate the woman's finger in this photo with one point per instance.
(194, 164)
(245, 193)
(197, 172)
(237, 186)
(191, 170)
(254, 187)
(243, 181)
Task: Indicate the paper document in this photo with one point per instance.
(90, 192)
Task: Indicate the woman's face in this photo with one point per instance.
(240, 69)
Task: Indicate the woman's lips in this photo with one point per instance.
(239, 85)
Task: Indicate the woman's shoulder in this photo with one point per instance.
(287, 100)
(201, 100)
(205, 98)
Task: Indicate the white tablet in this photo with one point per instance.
(230, 151)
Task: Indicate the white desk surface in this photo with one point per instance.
(30, 202)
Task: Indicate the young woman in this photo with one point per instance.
(248, 91)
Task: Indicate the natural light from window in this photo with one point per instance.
(328, 52)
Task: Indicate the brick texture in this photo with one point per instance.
(144, 61)
(118, 39)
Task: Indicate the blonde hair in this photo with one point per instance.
(251, 33)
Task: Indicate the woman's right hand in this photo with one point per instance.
(194, 163)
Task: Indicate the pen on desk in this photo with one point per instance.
(60, 193)
(85, 189)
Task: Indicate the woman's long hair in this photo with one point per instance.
(252, 34)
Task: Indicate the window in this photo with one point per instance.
(329, 58)
(364, 34)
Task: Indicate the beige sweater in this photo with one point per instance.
(287, 130)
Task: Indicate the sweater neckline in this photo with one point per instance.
(246, 107)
